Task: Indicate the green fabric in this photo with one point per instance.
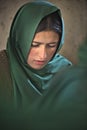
(64, 106)
(29, 84)
(82, 54)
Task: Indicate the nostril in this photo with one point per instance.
(43, 55)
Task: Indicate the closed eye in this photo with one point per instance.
(35, 44)
(52, 45)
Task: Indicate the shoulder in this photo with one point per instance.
(5, 75)
(3, 57)
(63, 59)
(4, 63)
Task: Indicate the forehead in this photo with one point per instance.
(46, 36)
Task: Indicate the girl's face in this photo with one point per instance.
(42, 49)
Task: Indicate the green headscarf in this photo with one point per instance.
(29, 83)
(64, 105)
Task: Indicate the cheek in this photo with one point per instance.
(52, 51)
(31, 54)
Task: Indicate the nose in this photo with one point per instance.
(43, 53)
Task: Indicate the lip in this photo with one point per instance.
(39, 62)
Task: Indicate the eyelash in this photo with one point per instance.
(50, 46)
(34, 45)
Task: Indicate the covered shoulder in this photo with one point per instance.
(4, 64)
(63, 59)
(5, 76)
(59, 62)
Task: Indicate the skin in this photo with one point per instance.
(42, 49)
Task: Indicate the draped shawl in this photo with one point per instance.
(28, 83)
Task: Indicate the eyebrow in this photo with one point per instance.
(47, 43)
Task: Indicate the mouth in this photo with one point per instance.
(39, 62)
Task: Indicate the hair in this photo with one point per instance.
(51, 22)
